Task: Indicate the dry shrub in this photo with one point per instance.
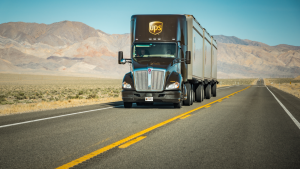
(231, 82)
(23, 90)
(291, 87)
(22, 108)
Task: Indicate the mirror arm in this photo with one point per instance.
(123, 61)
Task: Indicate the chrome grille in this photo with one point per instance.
(143, 80)
(157, 80)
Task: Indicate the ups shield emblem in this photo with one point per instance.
(155, 27)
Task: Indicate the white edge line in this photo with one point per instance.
(14, 124)
(224, 87)
(286, 110)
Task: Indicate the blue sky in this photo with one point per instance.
(269, 21)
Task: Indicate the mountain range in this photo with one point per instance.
(76, 49)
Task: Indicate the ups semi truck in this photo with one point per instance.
(173, 59)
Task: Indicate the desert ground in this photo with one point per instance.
(289, 85)
(20, 93)
(242, 81)
(26, 93)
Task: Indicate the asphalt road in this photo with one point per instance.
(249, 129)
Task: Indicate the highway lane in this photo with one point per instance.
(246, 130)
(53, 142)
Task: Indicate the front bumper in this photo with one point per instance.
(165, 96)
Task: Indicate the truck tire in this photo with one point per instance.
(188, 101)
(208, 91)
(192, 94)
(199, 93)
(178, 105)
(214, 90)
(127, 104)
(203, 95)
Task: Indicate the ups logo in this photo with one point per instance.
(155, 27)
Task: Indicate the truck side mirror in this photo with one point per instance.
(120, 57)
(188, 57)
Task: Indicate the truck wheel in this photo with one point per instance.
(203, 93)
(178, 105)
(192, 94)
(127, 104)
(207, 91)
(214, 90)
(199, 93)
(188, 101)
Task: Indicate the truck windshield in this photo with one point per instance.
(167, 50)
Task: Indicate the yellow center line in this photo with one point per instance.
(132, 142)
(86, 148)
(185, 116)
(113, 145)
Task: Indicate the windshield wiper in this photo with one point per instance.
(142, 60)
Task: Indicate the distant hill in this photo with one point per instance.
(229, 39)
(74, 48)
(61, 48)
(235, 40)
(255, 59)
(56, 34)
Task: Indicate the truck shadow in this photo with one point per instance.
(118, 103)
(156, 105)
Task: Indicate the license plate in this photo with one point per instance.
(149, 99)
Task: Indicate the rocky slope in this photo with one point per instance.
(73, 48)
(237, 57)
(66, 48)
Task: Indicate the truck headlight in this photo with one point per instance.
(173, 86)
(126, 85)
